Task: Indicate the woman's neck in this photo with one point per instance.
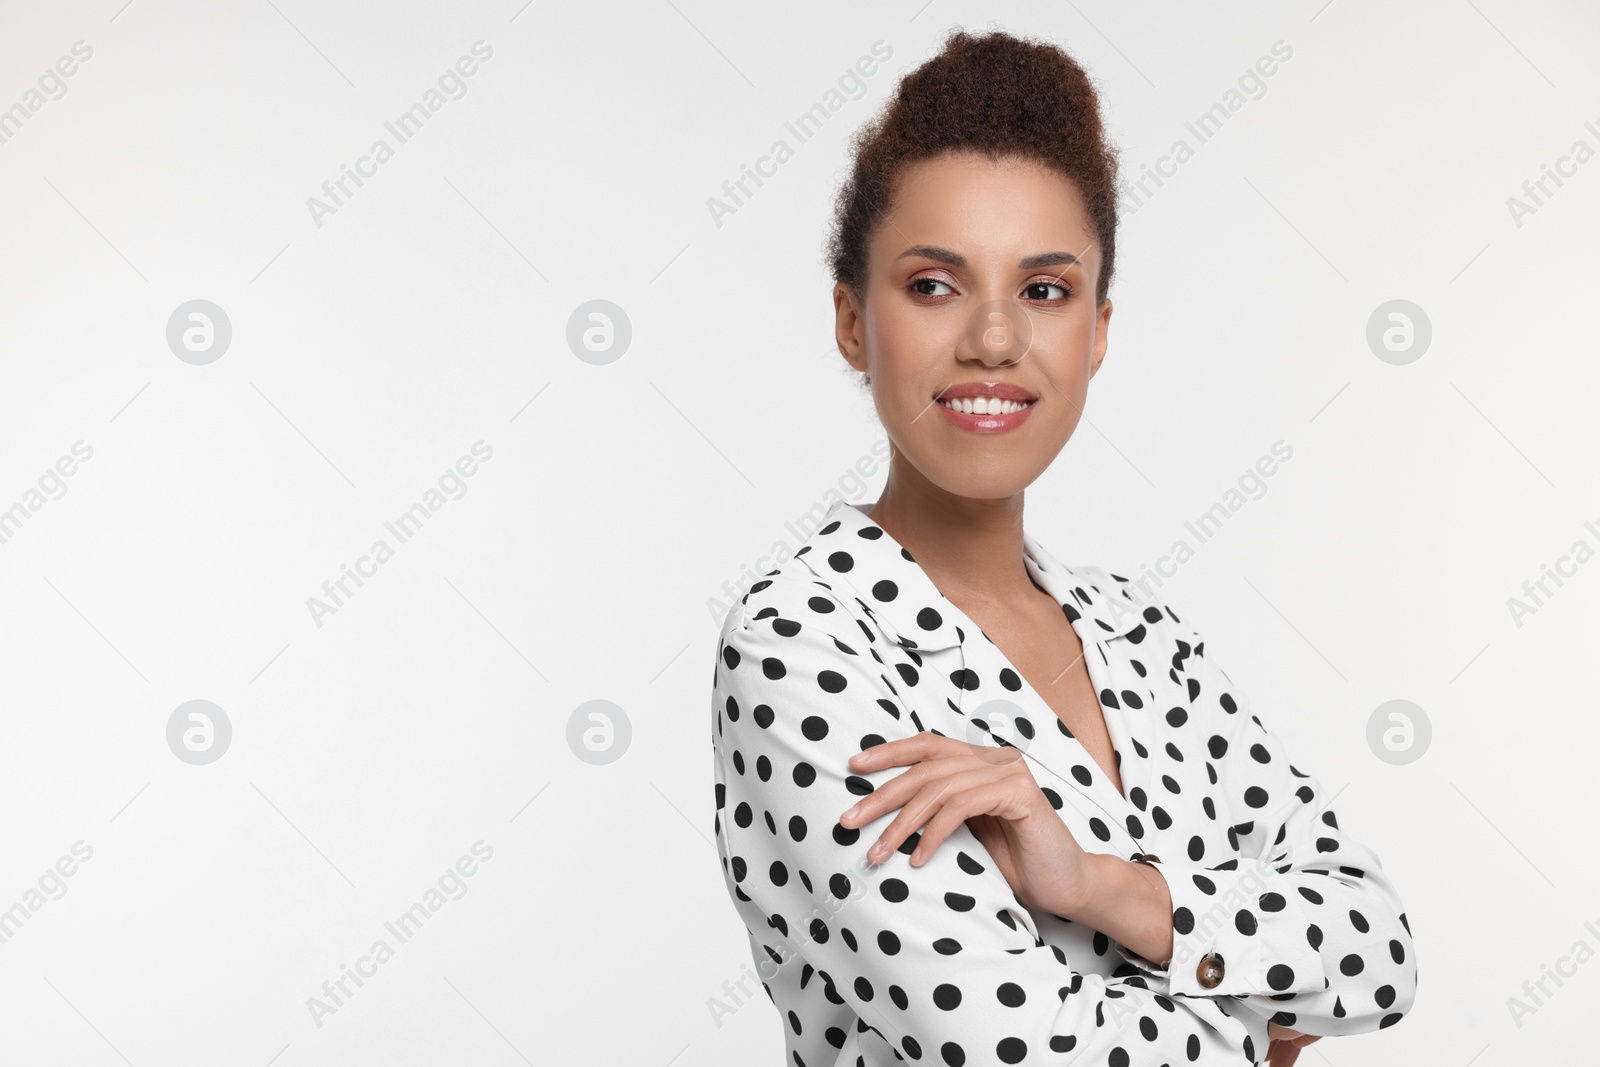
(971, 549)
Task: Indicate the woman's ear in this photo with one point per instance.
(848, 327)
(1101, 326)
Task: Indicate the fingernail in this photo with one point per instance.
(852, 813)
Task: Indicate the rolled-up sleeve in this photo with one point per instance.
(942, 961)
(1303, 926)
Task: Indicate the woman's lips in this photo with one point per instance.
(986, 423)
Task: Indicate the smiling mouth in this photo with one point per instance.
(984, 405)
(985, 397)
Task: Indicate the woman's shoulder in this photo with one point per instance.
(839, 553)
(788, 592)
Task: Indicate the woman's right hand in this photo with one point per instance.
(1284, 1044)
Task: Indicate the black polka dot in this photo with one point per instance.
(1011, 1050)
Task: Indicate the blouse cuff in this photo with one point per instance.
(1235, 932)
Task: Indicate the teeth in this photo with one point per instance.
(983, 405)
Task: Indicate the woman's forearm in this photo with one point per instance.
(1128, 902)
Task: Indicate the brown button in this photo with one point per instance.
(1210, 970)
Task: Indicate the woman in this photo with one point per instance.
(1084, 848)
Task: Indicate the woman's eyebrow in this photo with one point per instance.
(1048, 259)
(956, 259)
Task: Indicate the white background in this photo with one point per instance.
(430, 311)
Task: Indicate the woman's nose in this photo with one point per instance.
(998, 333)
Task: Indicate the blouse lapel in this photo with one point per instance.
(1108, 625)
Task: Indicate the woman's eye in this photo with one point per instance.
(926, 282)
(1034, 287)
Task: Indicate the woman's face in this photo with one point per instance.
(981, 273)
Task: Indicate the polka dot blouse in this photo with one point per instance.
(1278, 913)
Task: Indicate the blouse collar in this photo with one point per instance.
(851, 551)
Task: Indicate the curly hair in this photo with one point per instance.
(997, 94)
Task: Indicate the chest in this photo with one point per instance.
(1133, 774)
(1049, 655)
